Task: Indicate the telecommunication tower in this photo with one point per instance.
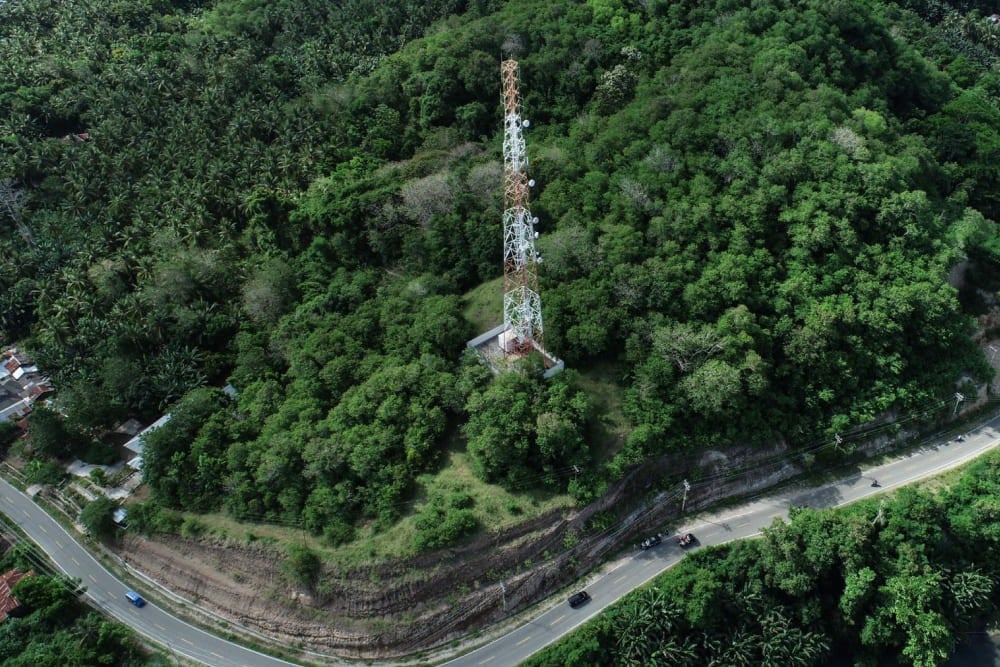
(521, 331)
(522, 306)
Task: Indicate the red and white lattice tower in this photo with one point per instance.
(522, 306)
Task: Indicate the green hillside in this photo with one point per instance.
(748, 216)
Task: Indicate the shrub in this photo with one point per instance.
(100, 453)
(99, 477)
(445, 520)
(149, 518)
(302, 566)
(192, 528)
(338, 532)
(43, 472)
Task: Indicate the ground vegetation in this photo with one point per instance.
(749, 211)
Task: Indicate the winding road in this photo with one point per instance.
(633, 570)
(108, 593)
(554, 619)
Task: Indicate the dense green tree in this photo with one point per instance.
(49, 597)
(50, 435)
(59, 630)
(98, 517)
(180, 457)
(897, 579)
(9, 432)
(524, 431)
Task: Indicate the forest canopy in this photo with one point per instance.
(749, 211)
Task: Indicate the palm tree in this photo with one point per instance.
(645, 625)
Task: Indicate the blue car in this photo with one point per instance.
(135, 599)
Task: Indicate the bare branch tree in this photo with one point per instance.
(687, 345)
(427, 196)
(11, 205)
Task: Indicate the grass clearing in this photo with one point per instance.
(367, 548)
(483, 305)
(494, 507)
(601, 386)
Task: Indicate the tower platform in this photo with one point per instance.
(490, 346)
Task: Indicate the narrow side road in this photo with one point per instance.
(108, 593)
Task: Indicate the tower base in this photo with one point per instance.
(498, 347)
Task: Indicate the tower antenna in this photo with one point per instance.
(522, 305)
(521, 331)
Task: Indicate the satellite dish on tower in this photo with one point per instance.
(531, 183)
(526, 123)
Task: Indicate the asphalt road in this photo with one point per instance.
(737, 523)
(554, 621)
(108, 593)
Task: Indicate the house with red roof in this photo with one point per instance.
(8, 604)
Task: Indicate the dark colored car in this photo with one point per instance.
(686, 540)
(579, 599)
(650, 542)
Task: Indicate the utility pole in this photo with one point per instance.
(687, 487)
(503, 592)
(958, 399)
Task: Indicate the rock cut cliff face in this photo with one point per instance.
(396, 608)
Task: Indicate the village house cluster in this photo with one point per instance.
(21, 385)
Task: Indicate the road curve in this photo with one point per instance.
(554, 621)
(108, 593)
(736, 523)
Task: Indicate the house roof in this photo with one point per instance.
(135, 444)
(18, 408)
(37, 390)
(7, 582)
(20, 379)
